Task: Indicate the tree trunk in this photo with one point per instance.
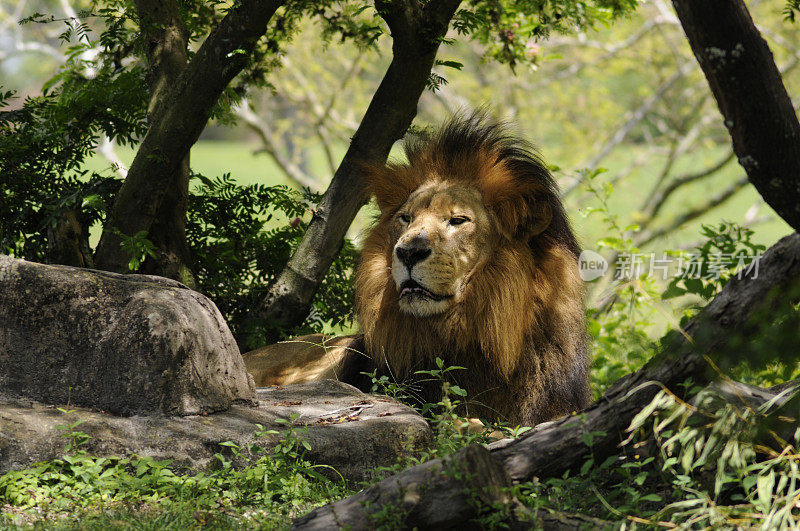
(68, 241)
(554, 447)
(416, 33)
(180, 116)
(749, 90)
(167, 39)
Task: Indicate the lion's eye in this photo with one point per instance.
(458, 220)
(405, 218)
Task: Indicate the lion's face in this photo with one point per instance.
(440, 234)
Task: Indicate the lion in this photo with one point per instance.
(472, 260)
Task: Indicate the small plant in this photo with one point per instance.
(75, 437)
(383, 385)
(452, 430)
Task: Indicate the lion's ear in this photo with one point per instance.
(523, 219)
(539, 220)
(390, 186)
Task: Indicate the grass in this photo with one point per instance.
(212, 158)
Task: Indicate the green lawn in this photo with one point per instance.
(215, 157)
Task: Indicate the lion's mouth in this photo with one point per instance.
(412, 288)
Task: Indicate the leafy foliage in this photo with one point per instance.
(44, 144)
(260, 486)
(619, 325)
(791, 9)
(727, 251)
(236, 258)
(510, 30)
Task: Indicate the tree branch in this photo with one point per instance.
(610, 51)
(645, 237)
(179, 119)
(269, 143)
(106, 148)
(749, 90)
(657, 200)
(634, 118)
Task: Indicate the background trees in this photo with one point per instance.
(173, 92)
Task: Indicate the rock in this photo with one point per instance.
(347, 429)
(128, 344)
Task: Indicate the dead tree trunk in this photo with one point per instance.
(417, 31)
(167, 39)
(554, 447)
(749, 90)
(181, 114)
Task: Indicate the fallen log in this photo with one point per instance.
(554, 447)
(440, 494)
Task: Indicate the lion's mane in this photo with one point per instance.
(519, 329)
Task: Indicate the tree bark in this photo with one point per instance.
(749, 90)
(554, 447)
(167, 40)
(180, 116)
(416, 32)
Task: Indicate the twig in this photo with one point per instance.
(291, 170)
(645, 237)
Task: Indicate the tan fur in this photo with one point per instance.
(304, 359)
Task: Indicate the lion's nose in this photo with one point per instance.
(412, 255)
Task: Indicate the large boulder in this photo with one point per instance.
(127, 344)
(353, 432)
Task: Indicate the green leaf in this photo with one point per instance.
(672, 291)
(610, 242)
(456, 390)
(764, 487)
(93, 201)
(451, 64)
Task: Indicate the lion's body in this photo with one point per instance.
(472, 260)
(303, 359)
